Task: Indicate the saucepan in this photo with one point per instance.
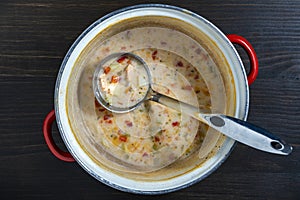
(152, 149)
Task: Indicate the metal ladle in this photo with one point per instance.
(234, 128)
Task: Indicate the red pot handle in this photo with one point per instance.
(64, 156)
(245, 44)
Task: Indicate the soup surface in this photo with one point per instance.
(152, 136)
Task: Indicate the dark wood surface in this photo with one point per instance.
(35, 36)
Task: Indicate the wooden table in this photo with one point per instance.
(35, 36)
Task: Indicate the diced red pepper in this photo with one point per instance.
(128, 123)
(97, 104)
(120, 60)
(156, 139)
(179, 64)
(114, 79)
(106, 117)
(106, 70)
(145, 154)
(154, 55)
(175, 124)
(123, 138)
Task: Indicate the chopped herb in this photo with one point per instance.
(155, 147)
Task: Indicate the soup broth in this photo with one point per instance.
(152, 142)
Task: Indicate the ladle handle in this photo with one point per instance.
(247, 133)
(236, 129)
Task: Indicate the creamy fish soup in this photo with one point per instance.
(153, 135)
(153, 138)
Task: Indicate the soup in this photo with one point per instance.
(150, 142)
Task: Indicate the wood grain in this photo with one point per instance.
(35, 36)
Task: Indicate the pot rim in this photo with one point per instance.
(226, 148)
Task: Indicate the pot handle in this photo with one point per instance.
(57, 152)
(245, 44)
